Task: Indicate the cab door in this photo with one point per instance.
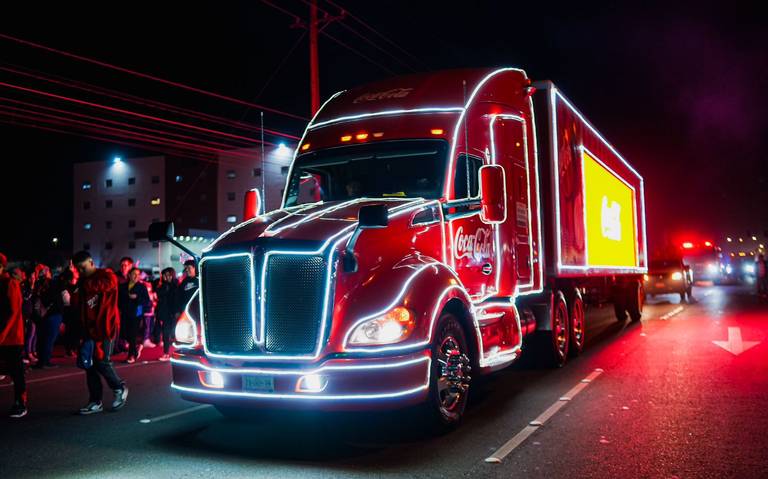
(472, 243)
(510, 152)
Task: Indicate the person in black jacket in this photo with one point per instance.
(133, 300)
(51, 308)
(188, 285)
(166, 311)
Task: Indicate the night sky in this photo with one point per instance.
(680, 91)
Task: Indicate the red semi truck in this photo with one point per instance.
(433, 227)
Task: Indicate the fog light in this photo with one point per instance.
(311, 383)
(211, 379)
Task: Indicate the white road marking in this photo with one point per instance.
(674, 312)
(79, 372)
(534, 425)
(735, 345)
(174, 414)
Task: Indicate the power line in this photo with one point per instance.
(380, 35)
(149, 77)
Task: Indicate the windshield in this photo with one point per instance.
(665, 264)
(392, 169)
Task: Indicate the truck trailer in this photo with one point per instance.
(433, 227)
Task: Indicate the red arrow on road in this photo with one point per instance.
(734, 344)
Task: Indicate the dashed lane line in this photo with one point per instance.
(152, 420)
(542, 418)
(674, 312)
(77, 373)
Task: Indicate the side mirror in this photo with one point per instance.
(493, 193)
(373, 216)
(161, 231)
(251, 204)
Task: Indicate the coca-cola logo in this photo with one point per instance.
(478, 245)
(383, 95)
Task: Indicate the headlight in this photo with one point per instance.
(749, 268)
(186, 330)
(645, 277)
(711, 268)
(392, 327)
(677, 276)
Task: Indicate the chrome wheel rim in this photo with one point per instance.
(453, 375)
(578, 324)
(561, 331)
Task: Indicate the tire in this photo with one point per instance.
(577, 323)
(448, 389)
(634, 303)
(552, 346)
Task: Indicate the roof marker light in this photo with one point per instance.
(361, 136)
(346, 138)
(305, 147)
(378, 134)
(687, 245)
(437, 131)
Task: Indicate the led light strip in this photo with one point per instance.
(350, 397)
(283, 372)
(449, 109)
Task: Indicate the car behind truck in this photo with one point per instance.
(430, 224)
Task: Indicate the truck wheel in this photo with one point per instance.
(552, 346)
(578, 326)
(635, 297)
(450, 379)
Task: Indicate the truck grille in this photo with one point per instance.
(294, 301)
(227, 289)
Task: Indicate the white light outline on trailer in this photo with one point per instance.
(404, 111)
(253, 298)
(553, 93)
(194, 323)
(539, 226)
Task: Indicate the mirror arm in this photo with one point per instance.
(184, 249)
(350, 262)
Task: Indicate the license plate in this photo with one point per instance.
(259, 384)
(660, 285)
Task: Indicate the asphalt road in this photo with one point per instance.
(661, 399)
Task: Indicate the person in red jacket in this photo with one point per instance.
(12, 337)
(95, 300)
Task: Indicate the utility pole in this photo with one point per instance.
(314, 73)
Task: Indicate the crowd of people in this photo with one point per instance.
(92, 312)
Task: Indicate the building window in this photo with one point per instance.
(86, 205)
(108, 203)
(87, 226)
(257, 172)
(231, 219)
(108, 183)
(108, 245)
(231, 174)
(131, 181)
(179, 178)
(155, 201)
(131, 201)
(155, 180)
(131, 223)
(108, 224)
(283, 170)
(155, 244)
(131, 245)
(86, 185)
(231, 196)
(86, 246)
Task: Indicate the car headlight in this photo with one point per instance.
(645, 277)
(711, 268)
(186, 330)
(749, 268)
(677, 276)
(392, 327)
